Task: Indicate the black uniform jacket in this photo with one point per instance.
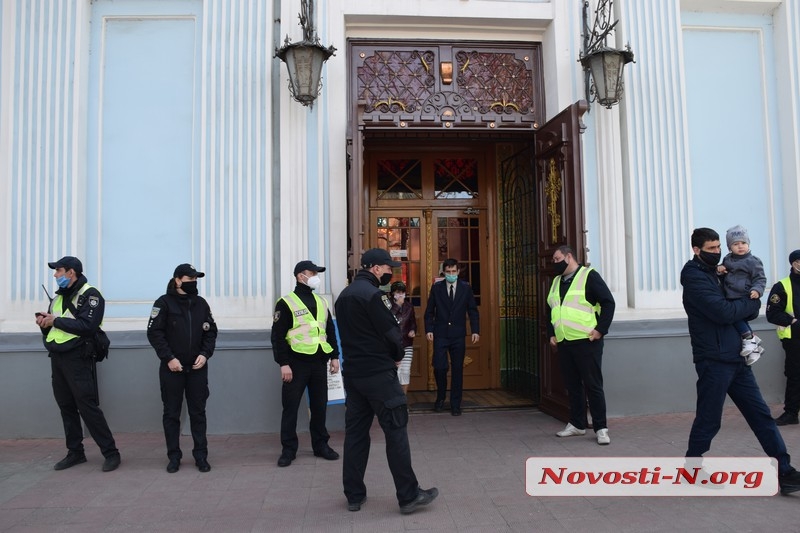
(282, 322)
(370, 335)
(597, 292)
(447, 319)
(778, 314)
(181, 326)
(90, 306)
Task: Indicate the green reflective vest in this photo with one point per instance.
(308, 332)
(60, 336)
(574, 317)
(785, 332)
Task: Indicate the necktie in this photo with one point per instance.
(452, 296)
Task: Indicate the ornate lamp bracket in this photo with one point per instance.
(304, 60)
(602, 65)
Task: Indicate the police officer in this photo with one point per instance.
(303, 341)
(372, 349)
(74, 315)
(783, 307)
(581, 310)
(184, 335)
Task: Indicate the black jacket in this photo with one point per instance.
(711, 315)
(90, 307)
(778, 314)
(181, 326)
(369, 333)
(282, 322)
(447, 319)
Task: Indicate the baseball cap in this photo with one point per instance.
(68, 262)
(185, 269)
(377, 256)
(307, 265)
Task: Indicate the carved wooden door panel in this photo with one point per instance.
(559, 207)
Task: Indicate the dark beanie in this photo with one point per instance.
(794, 256)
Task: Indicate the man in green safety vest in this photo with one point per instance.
(581, 310)
(303, 341)
(783, 306)
(74, 315)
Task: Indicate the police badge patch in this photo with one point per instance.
(206, 326)
(94, 301)
(386, 302)
(154, 312)
(276, 316)
(775, 298)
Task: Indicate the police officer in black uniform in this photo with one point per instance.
(372, 348)
(184, 334)
(779, 313)
(302, 349)
(75, 314)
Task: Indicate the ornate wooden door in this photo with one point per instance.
(559, 209)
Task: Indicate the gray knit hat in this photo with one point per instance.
(737, 234)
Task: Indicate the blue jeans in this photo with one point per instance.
(715, 379)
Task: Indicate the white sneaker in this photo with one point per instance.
(571, 431)
(602, 437)
(754, 356)
(749, 345)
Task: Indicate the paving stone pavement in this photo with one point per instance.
(477, 461)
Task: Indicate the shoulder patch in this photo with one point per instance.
(206, 326)
(154, 312)
(386, 302)
(94, 301)
(775, 298)
(276, 316)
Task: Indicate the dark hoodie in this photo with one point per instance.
(181, 326)
(90, 308)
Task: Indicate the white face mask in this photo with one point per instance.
(399, 296)
(313, 282)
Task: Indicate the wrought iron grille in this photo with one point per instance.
(519, 320)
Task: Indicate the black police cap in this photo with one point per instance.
(185, 269)
(307, 265)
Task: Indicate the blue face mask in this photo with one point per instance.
(62, 282)
(451, 278)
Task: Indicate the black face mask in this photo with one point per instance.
(560, 267)
(709, 258)
(385, 278)
(189, 287)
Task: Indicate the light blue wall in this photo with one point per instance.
(142, 186)
(732, 128)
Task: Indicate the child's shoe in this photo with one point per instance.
(754, 356)
(749, 345)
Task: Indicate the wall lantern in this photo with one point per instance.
(603, 66)
(304, 60)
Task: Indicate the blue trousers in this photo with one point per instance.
(715, 379)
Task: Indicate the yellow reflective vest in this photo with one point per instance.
(308, 332)
(59, 336)
(785, 332)
(573, 317)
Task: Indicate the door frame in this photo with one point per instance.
(486, 202)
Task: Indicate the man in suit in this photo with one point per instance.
(449, 303)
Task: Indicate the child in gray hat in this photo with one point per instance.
(743, 276)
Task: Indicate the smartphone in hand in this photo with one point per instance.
(38, 314)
